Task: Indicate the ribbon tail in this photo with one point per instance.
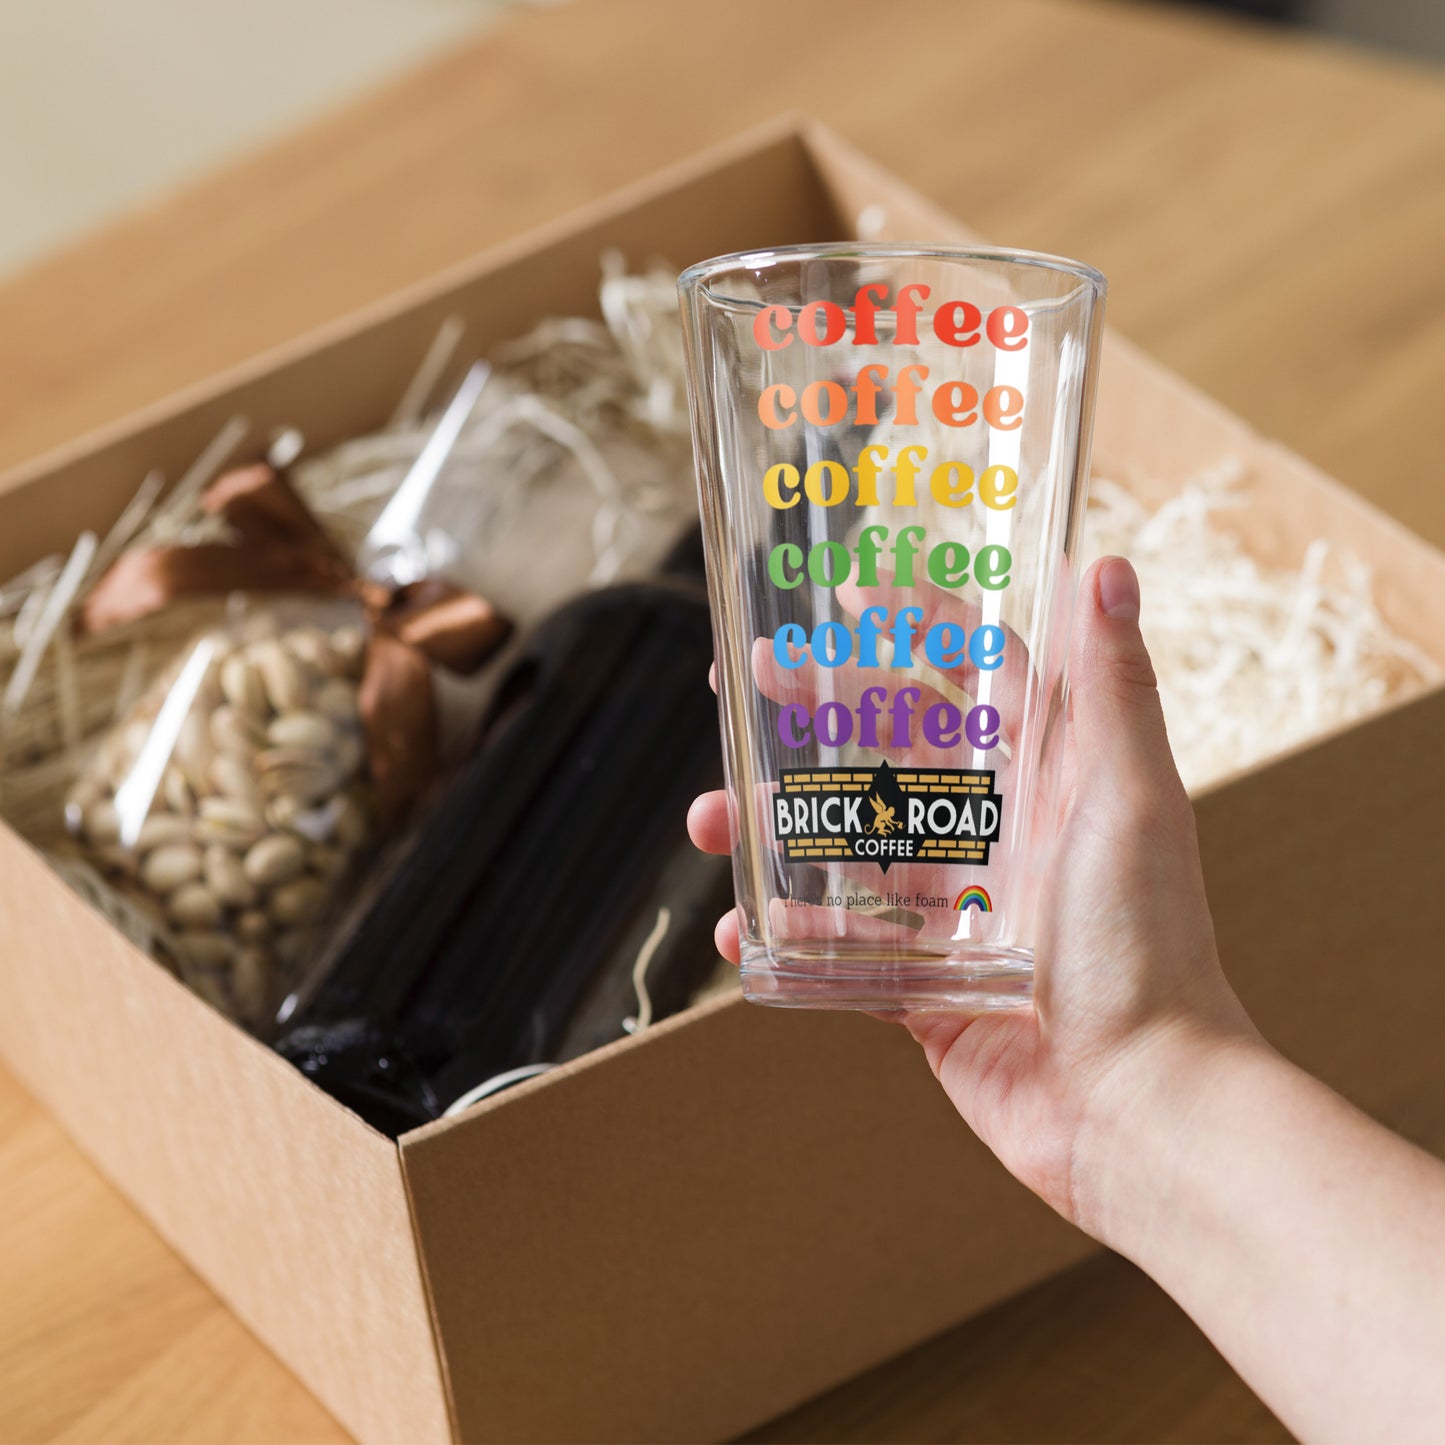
(456, 629)
(280, 547)
(398, 715)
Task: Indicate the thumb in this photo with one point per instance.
(1119, 737)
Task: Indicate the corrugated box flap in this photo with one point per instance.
(631, 1248)
(289, 1206)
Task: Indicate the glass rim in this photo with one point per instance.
(696, 277)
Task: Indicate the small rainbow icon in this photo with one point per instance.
(973, 897)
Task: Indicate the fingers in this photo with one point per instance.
(1120, 744)
(810, 686)
(707, 823)
(1008, 685)
(810, 921)
(791, 922)
(727, 938)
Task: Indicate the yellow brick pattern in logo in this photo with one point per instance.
(816, 848)
(933, 783)
(833, 782)
(953, 850)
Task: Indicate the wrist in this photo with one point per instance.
(1129, 1174)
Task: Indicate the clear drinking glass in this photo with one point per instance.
(892, 447)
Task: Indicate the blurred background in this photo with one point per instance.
(105, 105)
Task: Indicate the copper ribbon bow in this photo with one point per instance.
(281, 547)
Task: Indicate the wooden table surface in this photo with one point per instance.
(1270, 213)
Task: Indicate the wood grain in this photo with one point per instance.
(1270, 214)
(105, 1335)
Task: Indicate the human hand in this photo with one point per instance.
(1128, 986)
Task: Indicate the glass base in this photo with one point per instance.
(977, 980)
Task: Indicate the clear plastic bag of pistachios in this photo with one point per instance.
(233, 804)
(233, 808)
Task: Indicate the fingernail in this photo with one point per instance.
(1119, 590)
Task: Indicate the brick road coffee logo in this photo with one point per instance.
(886, 816)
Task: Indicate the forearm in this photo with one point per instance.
(1307, 1241)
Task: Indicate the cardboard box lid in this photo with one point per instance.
(632, 1247)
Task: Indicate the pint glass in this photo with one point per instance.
(892, 452)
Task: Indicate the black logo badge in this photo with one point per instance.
(886, 816)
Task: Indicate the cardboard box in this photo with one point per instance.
(694, 1229)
